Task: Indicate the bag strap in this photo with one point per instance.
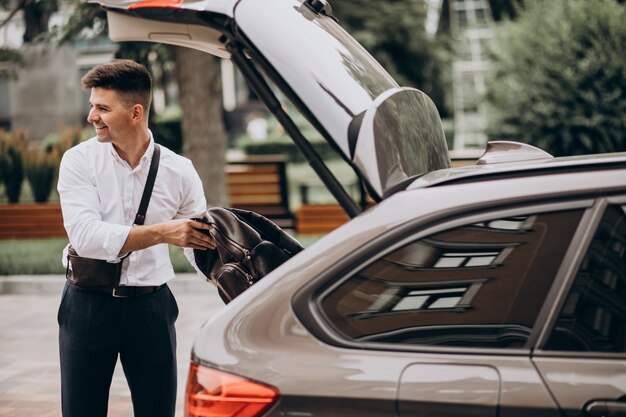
(143, 205)
(140, 218)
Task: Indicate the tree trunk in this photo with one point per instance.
(204, 138)
(36, 17)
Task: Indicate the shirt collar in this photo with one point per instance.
(146, 158)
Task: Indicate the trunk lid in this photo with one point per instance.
(388, 134)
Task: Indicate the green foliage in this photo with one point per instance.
(279, 143)
(559, 77)
(41, 171)
(12, 148)
(88, 20)
(10, 59)
(393, 32)
(43, 256)
(38, 165)
(64, 139)
(286, 147)
(179, 260)
(505, 9)
(167, 130)
(42, 164)
(31, 256)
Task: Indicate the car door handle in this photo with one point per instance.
(604, 408)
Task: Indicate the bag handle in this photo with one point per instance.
(140, 218)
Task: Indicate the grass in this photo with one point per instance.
(32, 256)
(43, 256)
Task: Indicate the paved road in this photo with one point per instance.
(29, 369)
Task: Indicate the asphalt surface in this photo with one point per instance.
(29, 364)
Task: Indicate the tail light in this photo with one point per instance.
(155, 3)
(214, 393)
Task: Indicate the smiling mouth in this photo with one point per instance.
(100, 129)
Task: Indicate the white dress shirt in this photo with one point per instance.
(100, 195)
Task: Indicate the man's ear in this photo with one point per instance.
(138, 112)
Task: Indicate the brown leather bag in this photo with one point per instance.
(248, 247)
(89, 272)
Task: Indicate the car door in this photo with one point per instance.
(583, 355)
(461, 300)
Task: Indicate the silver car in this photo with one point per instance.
(491, 290)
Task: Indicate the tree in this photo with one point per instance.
(559, 77)
(200, 96)
(393, 32)
(36, 14)
(505, 9)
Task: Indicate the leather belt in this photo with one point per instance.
(124, 291)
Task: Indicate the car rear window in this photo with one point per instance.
(479, 285)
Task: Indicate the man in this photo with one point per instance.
(101, 182)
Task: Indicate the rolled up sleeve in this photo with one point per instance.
(90, 236)
(193, 202)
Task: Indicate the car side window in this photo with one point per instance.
(479, 285)
(593, 317)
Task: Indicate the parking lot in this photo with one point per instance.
(29, 366)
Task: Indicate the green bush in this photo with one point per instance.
(278, 142)
(167, 130)
(558, 78)
(285, 146)
(12, 148)
(39, 165)
(64, 139)
(31, 256)
(41, 172)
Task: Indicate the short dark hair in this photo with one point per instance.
(128, 78)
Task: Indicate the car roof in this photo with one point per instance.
(482, 172)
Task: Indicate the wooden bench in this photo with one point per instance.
(21, 221)
(317, 219)
(257, 184)
(321, 218)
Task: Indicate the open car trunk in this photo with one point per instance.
(389, 135)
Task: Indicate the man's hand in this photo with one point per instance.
(187, 233)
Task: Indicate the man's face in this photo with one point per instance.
(109, 115)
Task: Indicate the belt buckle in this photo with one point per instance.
(116, 295)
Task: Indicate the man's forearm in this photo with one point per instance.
(142, 237)
(185, 233)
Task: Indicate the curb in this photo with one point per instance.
(189, 283)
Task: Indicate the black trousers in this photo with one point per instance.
(94, 328)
